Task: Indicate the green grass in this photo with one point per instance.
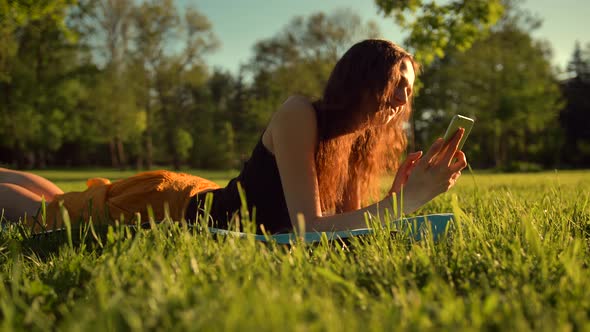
(517, 259)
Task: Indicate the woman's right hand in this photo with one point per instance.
(435, 173)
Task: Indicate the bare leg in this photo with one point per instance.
(31, 182)
(16, 201)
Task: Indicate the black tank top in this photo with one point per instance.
(261, 184)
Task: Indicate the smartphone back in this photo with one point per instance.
(459, 121)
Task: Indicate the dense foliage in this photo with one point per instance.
(125, 83)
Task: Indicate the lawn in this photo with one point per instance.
(516, 259)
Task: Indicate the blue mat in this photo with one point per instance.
(415, 227)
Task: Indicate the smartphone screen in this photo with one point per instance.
(459, 121)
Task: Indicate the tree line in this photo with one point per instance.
(126, 83)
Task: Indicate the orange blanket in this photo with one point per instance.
(121, 200)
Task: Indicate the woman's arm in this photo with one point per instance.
(293, 131)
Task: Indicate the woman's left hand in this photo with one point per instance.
(404, 171)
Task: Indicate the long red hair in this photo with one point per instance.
(350, 150)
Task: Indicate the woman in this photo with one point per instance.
(319, 162)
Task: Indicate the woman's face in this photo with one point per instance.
(401, 94)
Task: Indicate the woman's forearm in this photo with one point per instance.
(356, 219)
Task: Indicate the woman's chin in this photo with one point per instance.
(383, 121)
(389, 119)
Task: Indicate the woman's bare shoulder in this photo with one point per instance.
(300, 106)
(296, 115)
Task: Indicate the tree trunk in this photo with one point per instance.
(176, 161)
(174, 150)
(148, 136)
(148, 149)
(112, 149)
(41, 160)
(498, 146)
(20, 159)
(121, 153)
(504, 150)
(139, 163)
(29, 160)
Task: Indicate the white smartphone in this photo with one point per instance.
(459, 121)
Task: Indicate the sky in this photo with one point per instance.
(239, 24)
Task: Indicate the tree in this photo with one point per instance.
(308, 46)
(221, 117)
(505, 81)
(575, 116)
(115, 102)
(117, 112)
(159, 30)
(39, 82)
(579, 65)
(434, 29)
(155, 23)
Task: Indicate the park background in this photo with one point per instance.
(148, 84)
